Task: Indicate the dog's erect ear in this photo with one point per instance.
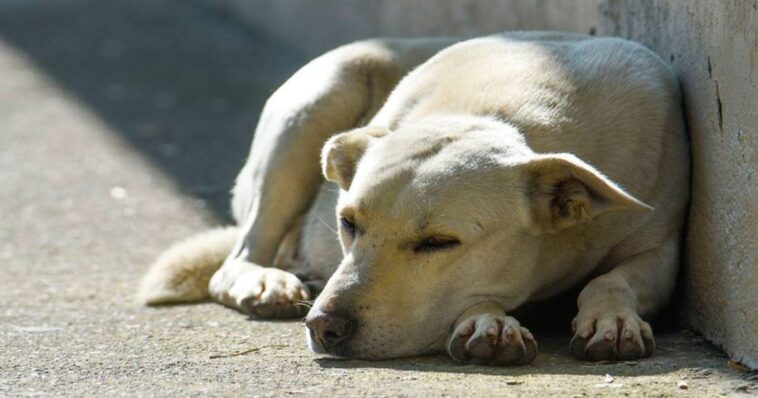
(342, 152)
(565, 191)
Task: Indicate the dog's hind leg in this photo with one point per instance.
(181, 273)
(337, 91)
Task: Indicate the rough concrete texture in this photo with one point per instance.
(713, 45)
(122, 125)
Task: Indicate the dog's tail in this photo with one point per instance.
(181, 274)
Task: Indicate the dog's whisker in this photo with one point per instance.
(305, 303)
(325, 223)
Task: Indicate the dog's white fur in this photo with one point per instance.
(182, 273)
(487, 174)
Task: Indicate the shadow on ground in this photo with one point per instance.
(177, 80)
(554, 358)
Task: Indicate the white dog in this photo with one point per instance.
(470, 178)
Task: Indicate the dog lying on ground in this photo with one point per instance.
(467, 179)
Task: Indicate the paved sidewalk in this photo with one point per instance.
(122, 125)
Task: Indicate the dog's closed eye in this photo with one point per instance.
(436, 243)
(348, 225)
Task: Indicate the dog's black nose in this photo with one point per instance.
(329, 330)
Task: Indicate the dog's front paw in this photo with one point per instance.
(492, 340)
(611, 335)
(269, 293)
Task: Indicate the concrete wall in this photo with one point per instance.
(713, 45)
(316, 26)
(714, 48)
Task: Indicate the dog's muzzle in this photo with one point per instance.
(328, 332)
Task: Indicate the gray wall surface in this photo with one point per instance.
(713, 46)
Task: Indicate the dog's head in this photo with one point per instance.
(437, 217)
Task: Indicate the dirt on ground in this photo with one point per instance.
(122, 125)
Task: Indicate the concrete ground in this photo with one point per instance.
(122, 125)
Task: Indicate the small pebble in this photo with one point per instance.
(119, 193)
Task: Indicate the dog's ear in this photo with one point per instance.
(342, 152)
(565, 191)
